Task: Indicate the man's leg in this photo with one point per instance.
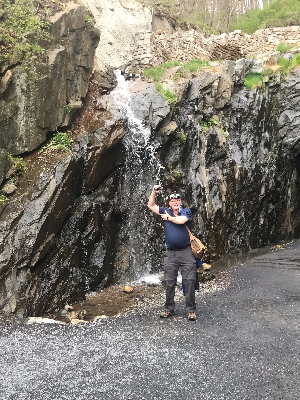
(188, 271)
(171, 266)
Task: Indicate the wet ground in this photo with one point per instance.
(244, 346)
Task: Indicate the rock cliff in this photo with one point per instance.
(28, 110)
(79, 220)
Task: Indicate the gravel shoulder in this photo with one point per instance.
(244, 345)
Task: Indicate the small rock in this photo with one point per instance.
(9, 188)
(68, 307)
(100, 317)
(206, 267)
(64, 313)
(76, 321)
(128, 289)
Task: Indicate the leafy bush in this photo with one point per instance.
(21, 32)
(277, 13)
(252, 79)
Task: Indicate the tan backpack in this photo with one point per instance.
(196, 245)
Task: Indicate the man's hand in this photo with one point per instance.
(157, 189)
(165, 216)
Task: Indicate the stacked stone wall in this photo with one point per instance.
(152, 49)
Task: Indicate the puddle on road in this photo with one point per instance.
(231, 261)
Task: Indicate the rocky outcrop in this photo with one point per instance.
(29, 109)
(118, 22)
(233, 154)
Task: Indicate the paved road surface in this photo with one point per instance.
(244, 346)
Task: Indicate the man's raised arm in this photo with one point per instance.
(151, 203)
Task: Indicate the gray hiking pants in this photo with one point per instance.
(183, 259)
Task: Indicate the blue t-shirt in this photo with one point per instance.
(177, 236)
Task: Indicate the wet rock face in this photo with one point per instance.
(29, 110)
(233, 154)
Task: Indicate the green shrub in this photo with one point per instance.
(284, 47)
(18, 164)
(285, 66)
(61, 141)
(171, 64)
(154, 73)
(252, 79)
(275, 14)
(21, 31)
(166, 94)
(69, 108)
(195, 65)
(3, 199)
(296, 60)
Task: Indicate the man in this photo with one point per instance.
(178, 253)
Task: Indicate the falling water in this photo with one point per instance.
(142, 171)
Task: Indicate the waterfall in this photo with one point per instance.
(142, 170)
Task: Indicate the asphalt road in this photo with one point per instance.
(245, 345)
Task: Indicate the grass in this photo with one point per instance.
(287, 66)
(195, 65)
(166, 94)
(61, 141)
(252, 79)
(18, 164)
(156, 74)
(284, 47)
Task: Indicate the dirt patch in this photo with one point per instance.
(112, 301)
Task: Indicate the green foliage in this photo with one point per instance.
(155, 74)
(252, 79)
(277, 13)
(18, 164)
(61, 141)
(176, 174)
(182, 135)
(21, 31)
(285, 66)
(267, 72)
(3, 199)
(284, 47)
(180, 73)
(296, 60)
(166, 94)
(89, 20)
(225, 134)
(195, 65)
(171, 64)
(69, 108)
(205, 125)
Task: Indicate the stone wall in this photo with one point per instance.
(152, 49)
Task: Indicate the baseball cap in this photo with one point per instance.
(175, 196)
